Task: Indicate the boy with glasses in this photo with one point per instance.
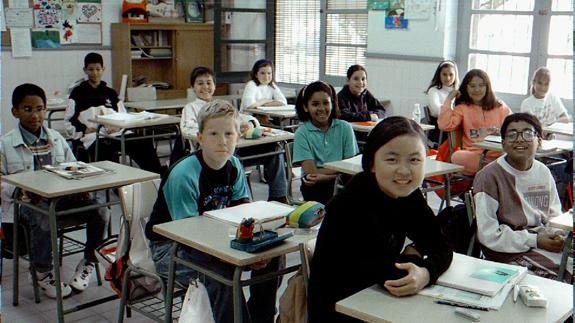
(515, 197)
(30, 147)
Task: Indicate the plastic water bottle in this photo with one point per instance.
(416, 114)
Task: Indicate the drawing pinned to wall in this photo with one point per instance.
(47, 18)
(162, 8)
(46, 38)
(68, 32)
(89, 12)
(378, 4)
(193, 10)
(69, 11)
(395, 17)
(47, 4)
(418, 9)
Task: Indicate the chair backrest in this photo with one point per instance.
(137, 202)
(470, 206)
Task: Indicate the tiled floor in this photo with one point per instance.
(45, 311)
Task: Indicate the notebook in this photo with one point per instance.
(287, 107)
(75, 170)
(480, 276)
(270, 215)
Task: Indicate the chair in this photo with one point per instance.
(290, 175)
(435, 136)
(137, 202)
(472, 249)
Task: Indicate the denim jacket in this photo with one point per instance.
(16, 157)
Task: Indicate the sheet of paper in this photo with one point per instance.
(89, 33)
(19, 17)
(18, 4)
(21, 42)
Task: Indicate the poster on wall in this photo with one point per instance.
(378, 4)
(48, 4)
(68, 32)
(418, 9)
(45, 38)
(395, 17)
(89, 33)
(46, 18)
(89, 12)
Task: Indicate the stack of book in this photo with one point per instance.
(269, 215)
(476, 282)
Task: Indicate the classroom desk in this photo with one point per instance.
(566, 146)
(176, 104)
(560, 128)
(213, 237)
(433, 167)
(374, 304)
(133, 125)
(565, 222)
(53, 187)
(287, 118)
(366, 126)
(54, 108)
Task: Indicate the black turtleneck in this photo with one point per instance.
(361, 239)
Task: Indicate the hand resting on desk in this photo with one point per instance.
(550, 241)
(415, 280)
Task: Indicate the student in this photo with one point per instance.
(27, 148)
(515, 197)
(320, 139)
(356, 103)
(359, 245)
(210, 178)
(547, 107)
(477, 113)
(204, 85)
(94, 93)
(444, 81)
(261, 90)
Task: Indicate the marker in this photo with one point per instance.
(463, 305)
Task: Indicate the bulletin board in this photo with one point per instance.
(61, 23)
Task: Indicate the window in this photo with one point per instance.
(509, 39)
(303, 55)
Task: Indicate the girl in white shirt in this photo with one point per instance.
(547, 107)
(443, 82)
(261, 90)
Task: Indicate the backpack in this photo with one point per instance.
(455, 226)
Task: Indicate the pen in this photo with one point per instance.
(463, 305)
(515, 292)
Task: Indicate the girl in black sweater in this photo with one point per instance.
(362, 236)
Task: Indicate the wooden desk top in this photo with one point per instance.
(564, 221)
(374, 304)
(50, 185)
(213, 237)
(366, 126)
(433, 167)
(278, 135)
(131, 124)
(560, 128)
(283, 114)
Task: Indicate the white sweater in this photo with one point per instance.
(254, 93)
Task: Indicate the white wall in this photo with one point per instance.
(53, 69)
(401, 81)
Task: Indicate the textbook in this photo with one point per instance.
(462, 297)
(492, 138)
(270, 215)
(287, 107)
(480, 276)
(75, 170)
(127, 117)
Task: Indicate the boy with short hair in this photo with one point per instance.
(204, 85)
(27, 148)
(210, 178)
(95, 93)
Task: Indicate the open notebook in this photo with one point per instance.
(270, 215)
(75, 170)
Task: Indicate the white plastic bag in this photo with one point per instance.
(196, 307)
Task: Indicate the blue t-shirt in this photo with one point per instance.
(191, 187)
(337, 143)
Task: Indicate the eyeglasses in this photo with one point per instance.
(31, 110)
(528, 135)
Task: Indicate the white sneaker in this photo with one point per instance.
(82, 275)
(47, 283)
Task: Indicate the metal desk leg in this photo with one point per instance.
(56, 258)
(169, 297)
(97, 141)
(123, 147)
(447, 190)
(15, 251)
(567, 245)
(237, 295)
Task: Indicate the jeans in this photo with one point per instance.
(41, 247)
(274, 167)
(259, 308)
